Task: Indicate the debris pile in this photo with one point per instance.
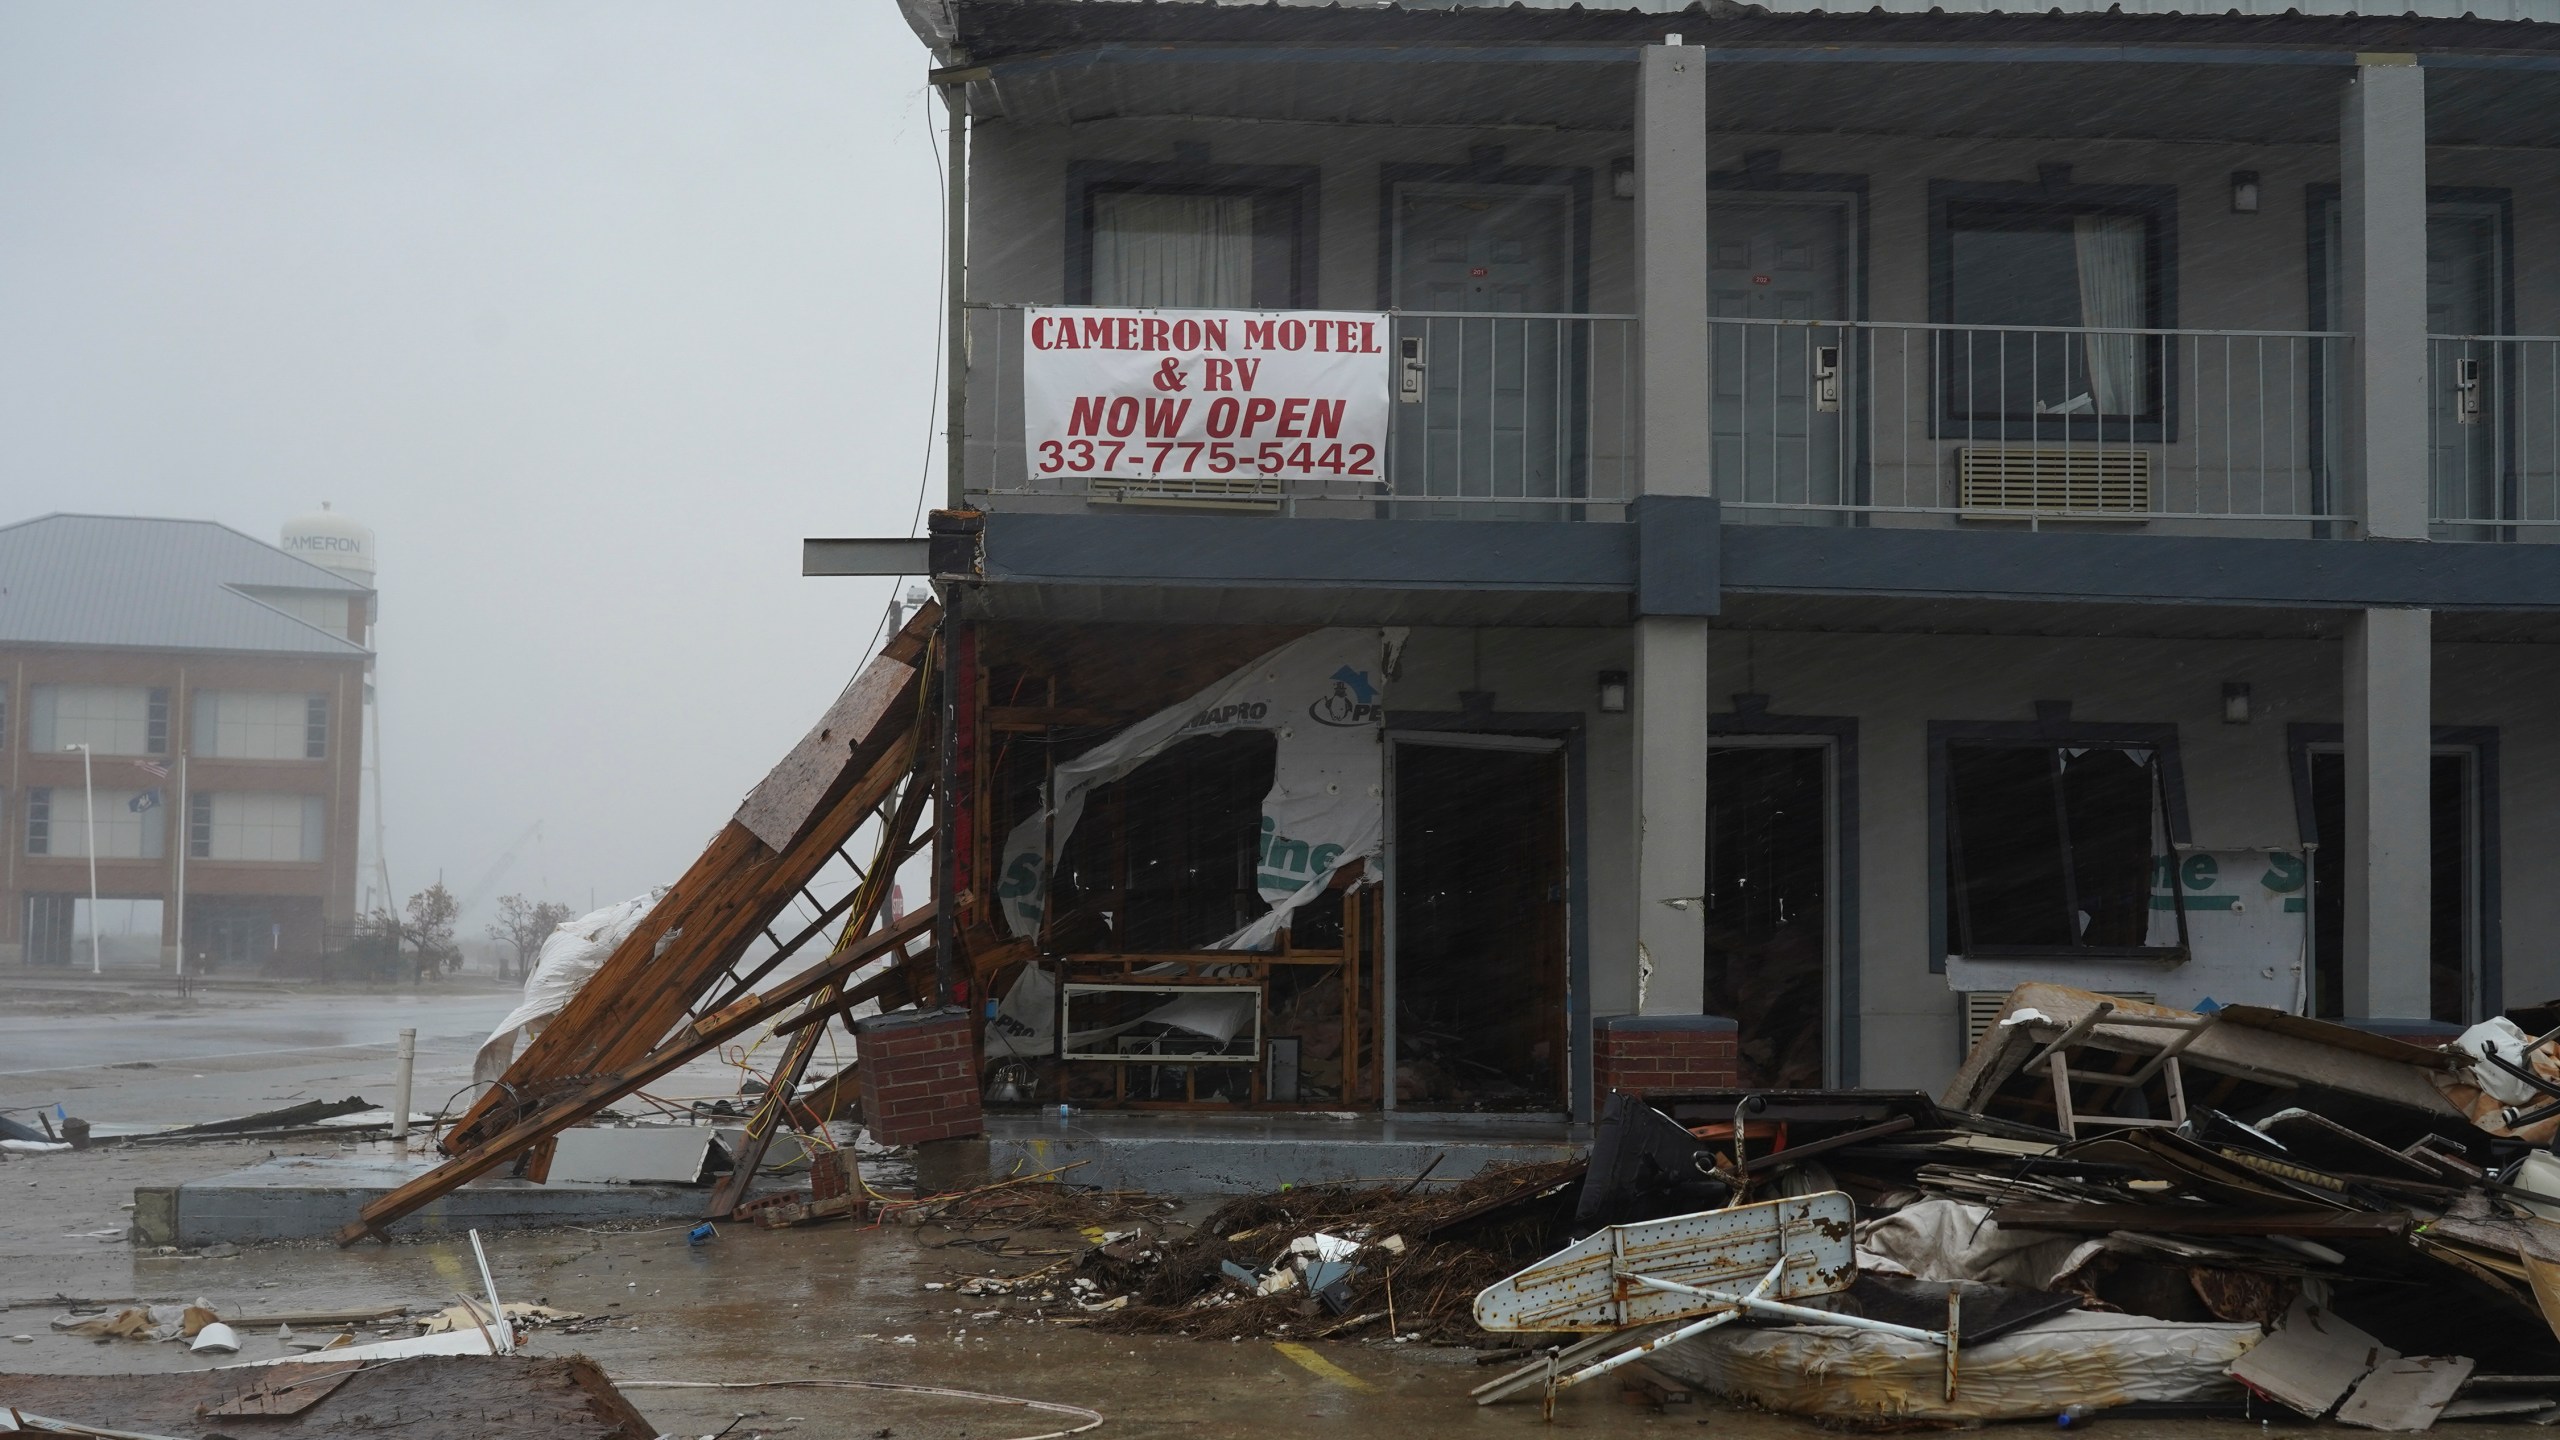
(22, 1139)
(2112, 1204)
(1367, 1262)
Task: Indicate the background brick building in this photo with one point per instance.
(219, 683)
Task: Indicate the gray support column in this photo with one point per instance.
(1671, 267)
(1671, 814)
(2382, 171)
(1671, 651)
(2389, 705)
(2382, 191)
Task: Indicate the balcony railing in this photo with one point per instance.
(1513, 415)
(2493, 437)
(1813, 422)
(1816, 422)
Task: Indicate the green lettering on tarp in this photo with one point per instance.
(2285, 873)
(2200, 871)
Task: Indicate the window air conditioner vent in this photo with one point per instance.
(2101, 482)
(1200, 492)
(1979, 1008)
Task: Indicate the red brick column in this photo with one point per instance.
(919, 1076)
(1663, 1054)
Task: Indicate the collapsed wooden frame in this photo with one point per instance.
(670, 992)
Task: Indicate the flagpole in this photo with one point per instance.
(186, 842)
(89, 842)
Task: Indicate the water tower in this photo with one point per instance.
(333, 542)
(346, 549)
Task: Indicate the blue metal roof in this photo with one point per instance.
(133, 582)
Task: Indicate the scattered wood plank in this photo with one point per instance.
(444, 1397)
(292, 1117)
(2202, 1220)
(288, 1389)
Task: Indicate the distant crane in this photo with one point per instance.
(497, 871)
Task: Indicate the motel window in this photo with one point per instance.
(2052, 850)
(2046, 288)
(111, 719)
(257, 725)
(255, 825)
(1190, 236)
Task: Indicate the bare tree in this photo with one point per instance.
(523, 925)
(429, 929)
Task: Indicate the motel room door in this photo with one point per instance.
(1476, 944)
(2466, 416)
(1498, 393)
(1771, 902)
(1781, 259)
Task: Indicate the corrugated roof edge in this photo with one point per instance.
(988, 30)
(298, 620)
(327, 579)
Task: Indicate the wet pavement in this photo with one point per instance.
(839, 1302)
(222, 1052)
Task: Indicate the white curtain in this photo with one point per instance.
(1173, 250)
(2111, 295)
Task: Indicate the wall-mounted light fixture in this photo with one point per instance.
(1622, 177)
(1613, 692)
(2244, 192)
(2235, 702)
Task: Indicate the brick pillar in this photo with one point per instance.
(1663, 1054)
(919, 1078)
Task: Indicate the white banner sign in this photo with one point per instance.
(1244, 395)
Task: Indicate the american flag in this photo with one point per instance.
(155, 767)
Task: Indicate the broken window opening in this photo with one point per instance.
(2051, 851)
(1165, 857)
(1160, 864)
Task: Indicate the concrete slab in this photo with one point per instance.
(298, 1197)
(1191, 1154)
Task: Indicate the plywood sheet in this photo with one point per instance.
(782, 802)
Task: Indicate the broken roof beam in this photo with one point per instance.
(691, 940)
(558, 1113)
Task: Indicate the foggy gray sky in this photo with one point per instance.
(591, 310)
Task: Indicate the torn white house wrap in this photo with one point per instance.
(1324, 696)
(569, 958)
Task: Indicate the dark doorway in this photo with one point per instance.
(1480, 927)
(2449, 885)
(1768, 902)
(49, 929)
